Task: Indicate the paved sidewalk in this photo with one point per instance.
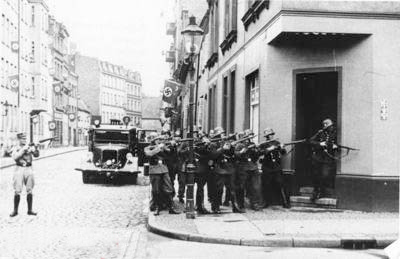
(44, 153)
(275, 226)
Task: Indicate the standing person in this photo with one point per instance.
(172, 157)
(323, 161)
(272, 173)
(23, 175)
(247, 156)
(202, 173)
(225, 167)
(183, 158)
(159, 178)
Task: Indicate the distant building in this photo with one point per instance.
(134, 97)
(83, 123)
(151, 113)
(24, 60)
(109, 90)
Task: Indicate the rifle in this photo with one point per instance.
(44, 140)
(295, 142)
(231, 137)
(347, 148)
(243, 139)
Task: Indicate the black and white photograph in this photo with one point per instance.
(199, 129)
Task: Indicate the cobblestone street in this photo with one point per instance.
(74, 220)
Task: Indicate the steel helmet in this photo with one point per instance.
(268, 131)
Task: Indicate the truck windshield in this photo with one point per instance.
(102, 136)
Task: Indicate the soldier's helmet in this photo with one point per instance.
(248, 132)
(240, 135)
(21, 136)
(219, 130)
(177, 133)
(268, 131)
(165, 132)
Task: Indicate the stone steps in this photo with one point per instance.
(304, 200)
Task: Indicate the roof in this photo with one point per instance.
(151, 107)
(82, 106)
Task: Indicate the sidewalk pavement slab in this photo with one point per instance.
(276, 226)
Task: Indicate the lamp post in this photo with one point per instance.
(192, 35)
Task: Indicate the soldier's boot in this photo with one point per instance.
(172, 210)
(17, 198)
(241, 200)
(157, 211)
(29, 199)
(215, 208)
(201, 210)
(227, 198)
(285, 199)
(235, 206)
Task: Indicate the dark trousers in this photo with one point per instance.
(248, 183)
(161, 191)
(182, 184)
(221, 180)
(322, 177)
(273, 186)
(172, 172)
(200, 180)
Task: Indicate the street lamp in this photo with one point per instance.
(192, 35)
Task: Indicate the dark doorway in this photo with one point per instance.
(316, 100)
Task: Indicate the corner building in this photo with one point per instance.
(290, 64)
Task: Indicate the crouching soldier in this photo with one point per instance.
(23, 174)
(272, 173)
(159, 178)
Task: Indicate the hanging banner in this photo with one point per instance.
(14, 82)
(171, 91)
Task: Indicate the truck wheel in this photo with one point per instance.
(85, 177)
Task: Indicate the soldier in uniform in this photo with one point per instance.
(323, 161)
(23, 174)
(159, 178)
(183, 158)
(202, 172)
(272, 173)
(172, 157)
(247, 156)
(224, 170)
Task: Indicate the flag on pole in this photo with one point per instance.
(14, 82)
(171, 91)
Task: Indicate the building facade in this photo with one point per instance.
(110, 91)
(134, 97)
(24, 69)
(177, 56)
(290, 64)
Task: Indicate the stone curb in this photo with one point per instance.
(316, 241)
(46, 156)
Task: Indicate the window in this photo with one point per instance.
(232, 102)
(33, 16)
(225, 103)
(252, 102)
(33, 86)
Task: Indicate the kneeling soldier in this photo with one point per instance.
(158, 170)
(23, 173)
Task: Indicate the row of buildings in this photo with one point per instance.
(40, 71)
(289, 65)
